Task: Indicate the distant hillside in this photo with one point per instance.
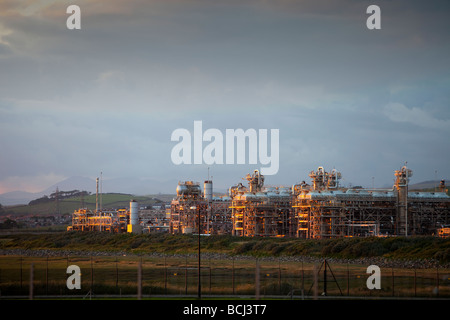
(126, 185)
(72, 183)
(134, 186)
(67, 206)
(22, 197)
(18, 197)
(430, 185)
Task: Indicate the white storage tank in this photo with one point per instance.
(134, 226)
(134, 212)
(208, 190)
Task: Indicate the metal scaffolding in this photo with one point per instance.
(259, 211)
(323, 209)
(324, 212)
(320, 210)
(186, 208)
(109, 221)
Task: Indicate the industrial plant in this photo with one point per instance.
(321, 209)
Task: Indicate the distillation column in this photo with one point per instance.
(401, 188)
(134, 226)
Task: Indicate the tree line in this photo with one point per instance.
(59, 195)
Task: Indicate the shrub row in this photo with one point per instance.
(347, 248)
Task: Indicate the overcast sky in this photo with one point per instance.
(106, 98)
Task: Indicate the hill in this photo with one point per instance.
(69, 205)
(22, 197)
(126, 185)
(427, 185)
(18, 197)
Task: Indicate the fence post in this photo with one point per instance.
(117, 273)
(348, 281)
(303, 278)
(21, 260)
(316, 284)
(393, 294)
(257, 280)
(185, 278)
(210, 276)
(92, 274)
(232, 275)
(46, 278)
(139, 276)
(279, 277)
(437, 281)
(165, 276)
(325, 278)
(31, 280)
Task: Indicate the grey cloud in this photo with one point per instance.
(108, 97)
(400, 113)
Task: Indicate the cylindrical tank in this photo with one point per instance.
(207, 190)
(181, 189)
(194, 190)
(134, 213)
(188, 188)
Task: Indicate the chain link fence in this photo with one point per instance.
(143, 277)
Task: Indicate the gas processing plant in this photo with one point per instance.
(318, 210)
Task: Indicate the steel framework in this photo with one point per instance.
(321, 210)
(324, 212)
(109, 221)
